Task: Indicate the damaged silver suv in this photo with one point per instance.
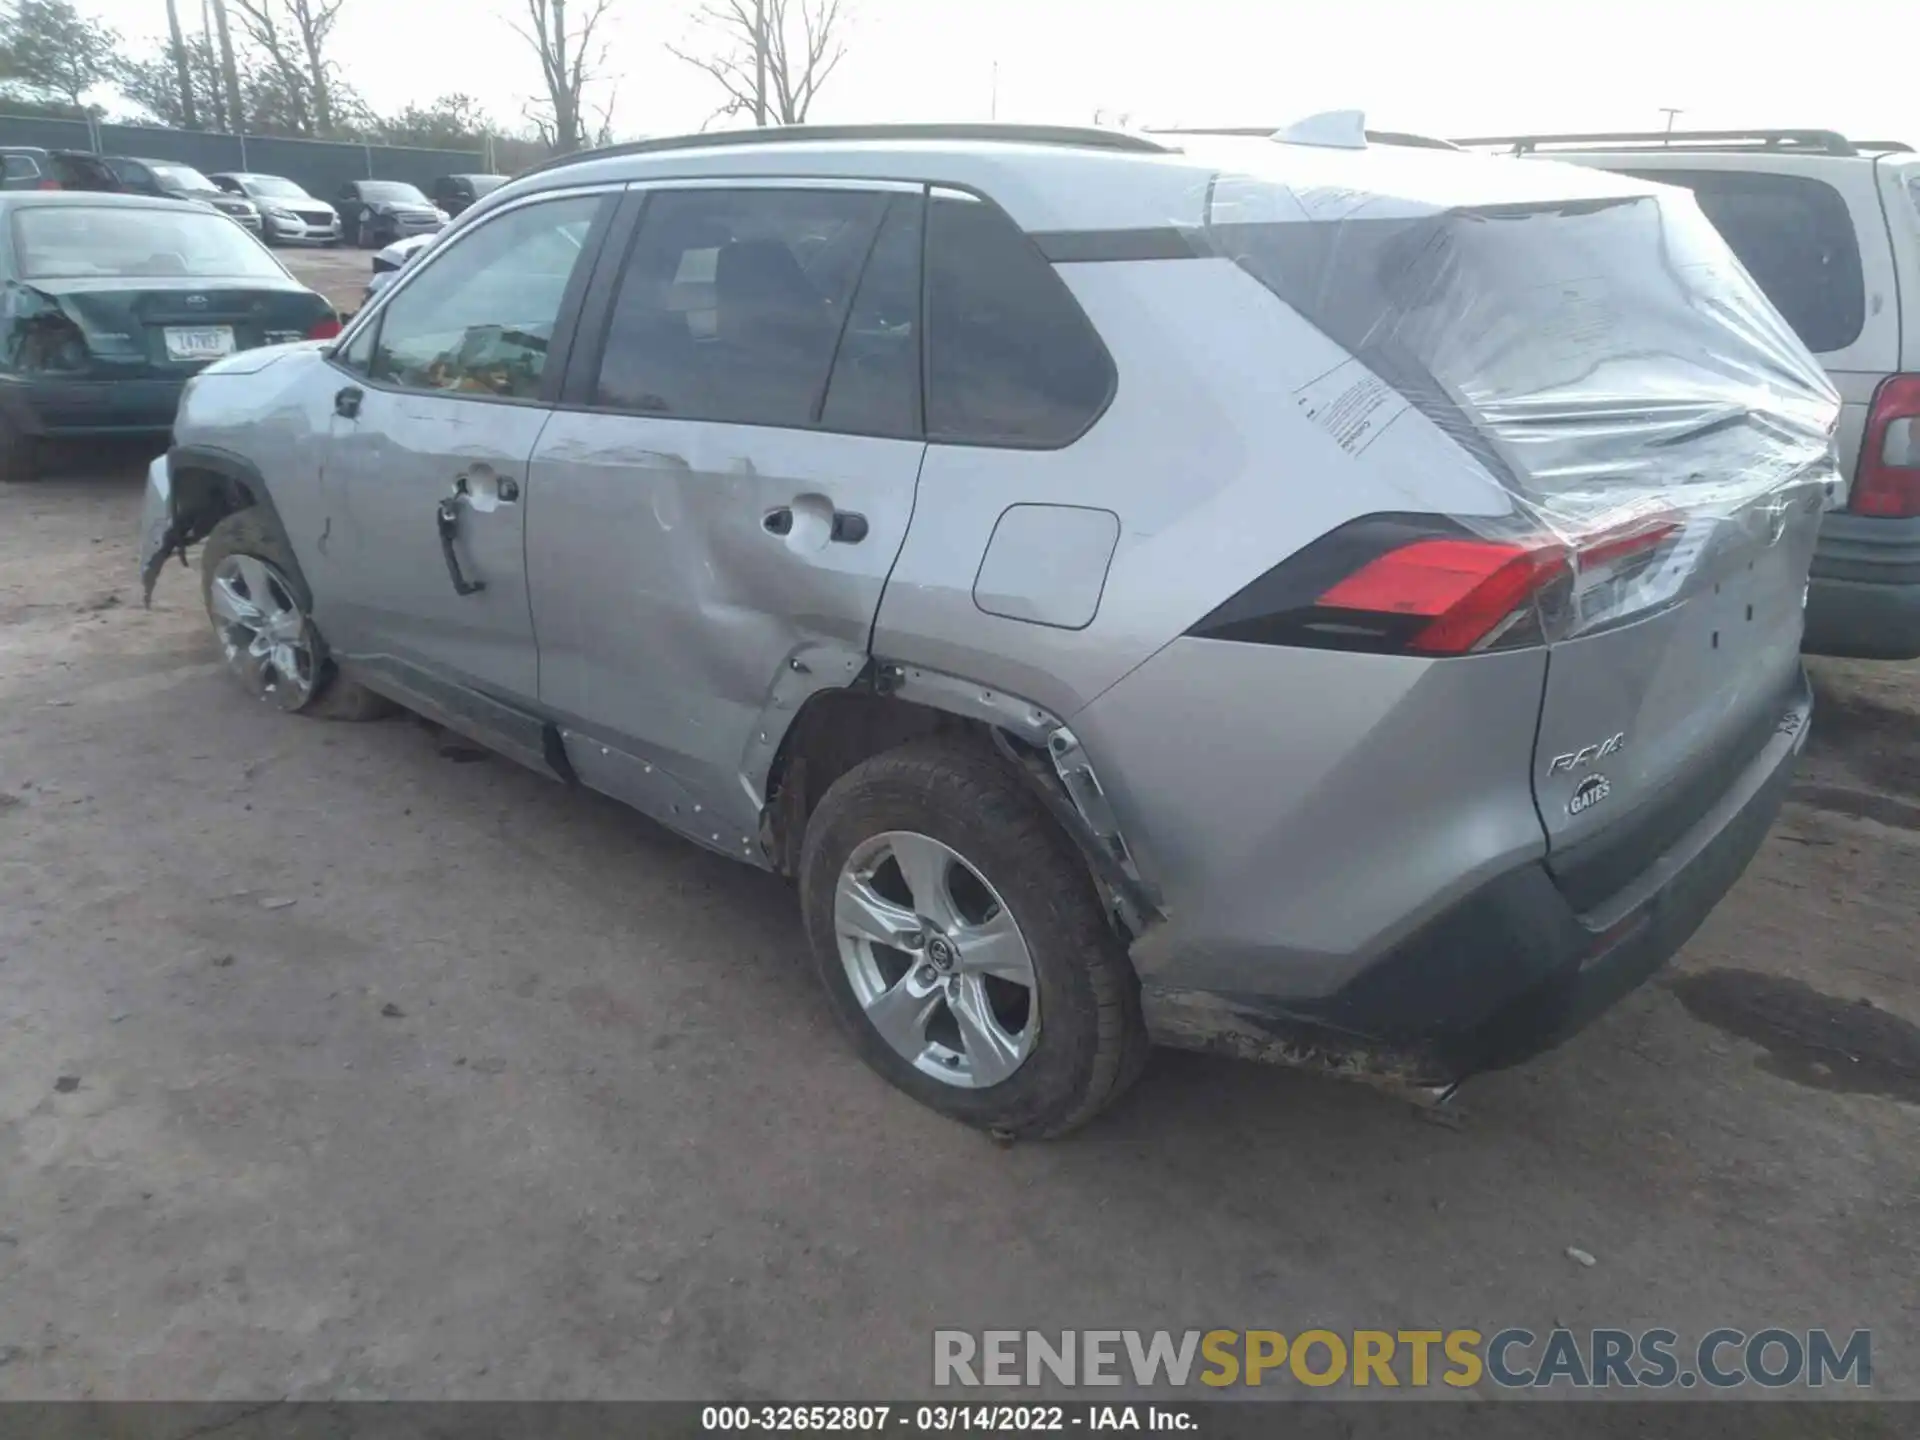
(1320, 601)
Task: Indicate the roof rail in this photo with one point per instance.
(1898, 146)
(1825, 142)
(1083, 137)
(1374, 137)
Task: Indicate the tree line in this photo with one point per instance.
(269, 67)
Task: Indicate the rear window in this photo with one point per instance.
(184, 176)
(1796, 238)
(20, 167)
(85, 172)
(55, 242)
(392, 191)
(1584, 351)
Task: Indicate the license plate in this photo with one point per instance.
(208, 342)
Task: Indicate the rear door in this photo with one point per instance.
(441, 400)
(717, 507)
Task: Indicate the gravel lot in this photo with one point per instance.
(332, 1064)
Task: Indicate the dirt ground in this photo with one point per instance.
(334, 1065)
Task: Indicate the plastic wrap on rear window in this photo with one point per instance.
(1588, 341)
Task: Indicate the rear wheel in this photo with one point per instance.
(259, 610)
(963, 945)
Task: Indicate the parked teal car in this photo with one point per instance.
(109, 303)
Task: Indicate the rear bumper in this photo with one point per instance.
(1512, 969)
(60, 408)
(1863, 600)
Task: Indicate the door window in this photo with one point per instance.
(875, 388)
(1011, 359)
(732, 302)
(1795, 236)
(21, 167)
(480, 317)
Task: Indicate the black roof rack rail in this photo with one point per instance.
(1899, 146)
(1374, 137)
(1825, 142)
(1083, 137)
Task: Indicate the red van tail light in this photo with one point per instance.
(1419, 584)
(325, 329)
(1887, 481)
(49, 183)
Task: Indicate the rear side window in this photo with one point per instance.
(732, 303)
(20, 167)
(1796, 238)
(875, 389)
(1011, 360)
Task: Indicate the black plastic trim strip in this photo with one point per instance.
(1087, 247)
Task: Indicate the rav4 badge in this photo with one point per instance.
(1574, 760)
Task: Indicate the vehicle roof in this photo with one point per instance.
(1052, 178)
(99, 199)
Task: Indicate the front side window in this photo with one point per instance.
(1011, 359)
(70, 242)
(480, 318)
(732, 302)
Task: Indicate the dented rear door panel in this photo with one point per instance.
(689, 592)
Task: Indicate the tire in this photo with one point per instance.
(318, 689)
(19, 455)
(1091, 1043)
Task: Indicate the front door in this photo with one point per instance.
(440, 404)
(714, 524)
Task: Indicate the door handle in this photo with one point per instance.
(446, 519)
(846, 528)
(347, 402)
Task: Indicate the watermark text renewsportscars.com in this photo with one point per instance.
(1512, 1359)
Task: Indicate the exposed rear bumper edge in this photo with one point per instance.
(1508, 972)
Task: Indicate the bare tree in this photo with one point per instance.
(229, 69)
(182, 69)
(570, 60)
(293, 36)
(769, 57)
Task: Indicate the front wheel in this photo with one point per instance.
(963, 945)
(259, 609)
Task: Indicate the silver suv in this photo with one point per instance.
(1330, 602)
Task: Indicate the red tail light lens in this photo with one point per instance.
(325, 329)
(1466, 590)
(49, 184)
(1404, 584)
(1887, 482)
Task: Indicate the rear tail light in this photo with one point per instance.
(49, 184)
(325, 329)
(1423, 585)
(1887, 482)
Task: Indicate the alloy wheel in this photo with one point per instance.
(263, 631)
(936, 960)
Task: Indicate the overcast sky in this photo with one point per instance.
(1446, 67)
